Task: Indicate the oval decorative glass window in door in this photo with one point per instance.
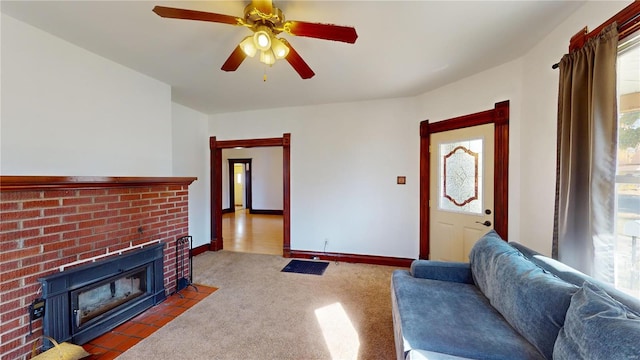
(461, 176)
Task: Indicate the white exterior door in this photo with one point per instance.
(461, 194)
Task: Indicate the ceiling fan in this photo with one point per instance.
(266, 22)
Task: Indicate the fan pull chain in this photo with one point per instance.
(264, 77)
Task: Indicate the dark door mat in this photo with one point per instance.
(306, 267)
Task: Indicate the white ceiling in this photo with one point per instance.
(404, 48)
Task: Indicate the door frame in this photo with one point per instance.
(247, 183)
(215, 148)
(499, 116)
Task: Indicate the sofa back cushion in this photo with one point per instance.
(533, 301)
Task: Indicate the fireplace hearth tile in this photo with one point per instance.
(114, 343)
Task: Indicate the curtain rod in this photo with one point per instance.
(624, 27)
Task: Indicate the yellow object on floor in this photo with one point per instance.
(63, 351)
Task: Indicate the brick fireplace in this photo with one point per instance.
(48, 222)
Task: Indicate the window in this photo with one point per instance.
(627, 237)
(461, 176)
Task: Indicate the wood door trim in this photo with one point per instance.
(216, 147)
(499, 116)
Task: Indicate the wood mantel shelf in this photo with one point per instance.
(76, 182)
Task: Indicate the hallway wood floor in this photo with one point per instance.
(258, 234)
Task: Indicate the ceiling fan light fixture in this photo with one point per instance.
(280, 50)
(262, 38)
(267, 57)
(248, 47)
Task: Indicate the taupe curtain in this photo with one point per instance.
(586, 159)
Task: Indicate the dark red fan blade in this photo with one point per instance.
(174, 13)
(235, 59)
(298, 64)
(322, 31)
(264, 6)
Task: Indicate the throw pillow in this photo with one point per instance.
(598, 327)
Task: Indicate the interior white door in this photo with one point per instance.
(461, 194)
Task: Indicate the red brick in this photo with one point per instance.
(76, 217)
(158, 213)
(64, 210)
(59, 228)
(19, 215)
(8, 226)
(77, 201)
(38, 259)
(13, 323)
(18, 254)
(105, 214)
(92, 192)
(39, 204)
(8, 245)
(9, 285)
(161, 200)
(91, 253)
(91, 224)
(59, 193)
(130, 197)
(9, 265)
(129, 211)
(10, 345)
(20, 195)
(77, 250)
(39, 222)
(106, 228)
(107, 198)
(92, 239)
(39, 240)
(8, 206)
(149, 208)
(118, 191)
(152, 195)
(91, 208)
(20, 234)
(118, 219)
(77, 234)
(59, 245)
(55, 264)
(118, 205)
(20, 272)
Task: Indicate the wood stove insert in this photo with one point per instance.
(89, 300)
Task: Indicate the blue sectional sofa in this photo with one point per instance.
(509, 302)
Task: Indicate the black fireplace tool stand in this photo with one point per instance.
(184, 245)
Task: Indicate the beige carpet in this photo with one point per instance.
(262, 313)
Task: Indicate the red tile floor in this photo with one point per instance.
(118, 340)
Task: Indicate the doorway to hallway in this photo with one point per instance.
(216, 147)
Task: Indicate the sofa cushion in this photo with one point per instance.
(442, 270)
(452, 318)
(532, 300)
(598, 327)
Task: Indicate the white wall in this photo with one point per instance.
(66, 111)
(266, 176)
(191, 158)
(344, 163)
(539, 121)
